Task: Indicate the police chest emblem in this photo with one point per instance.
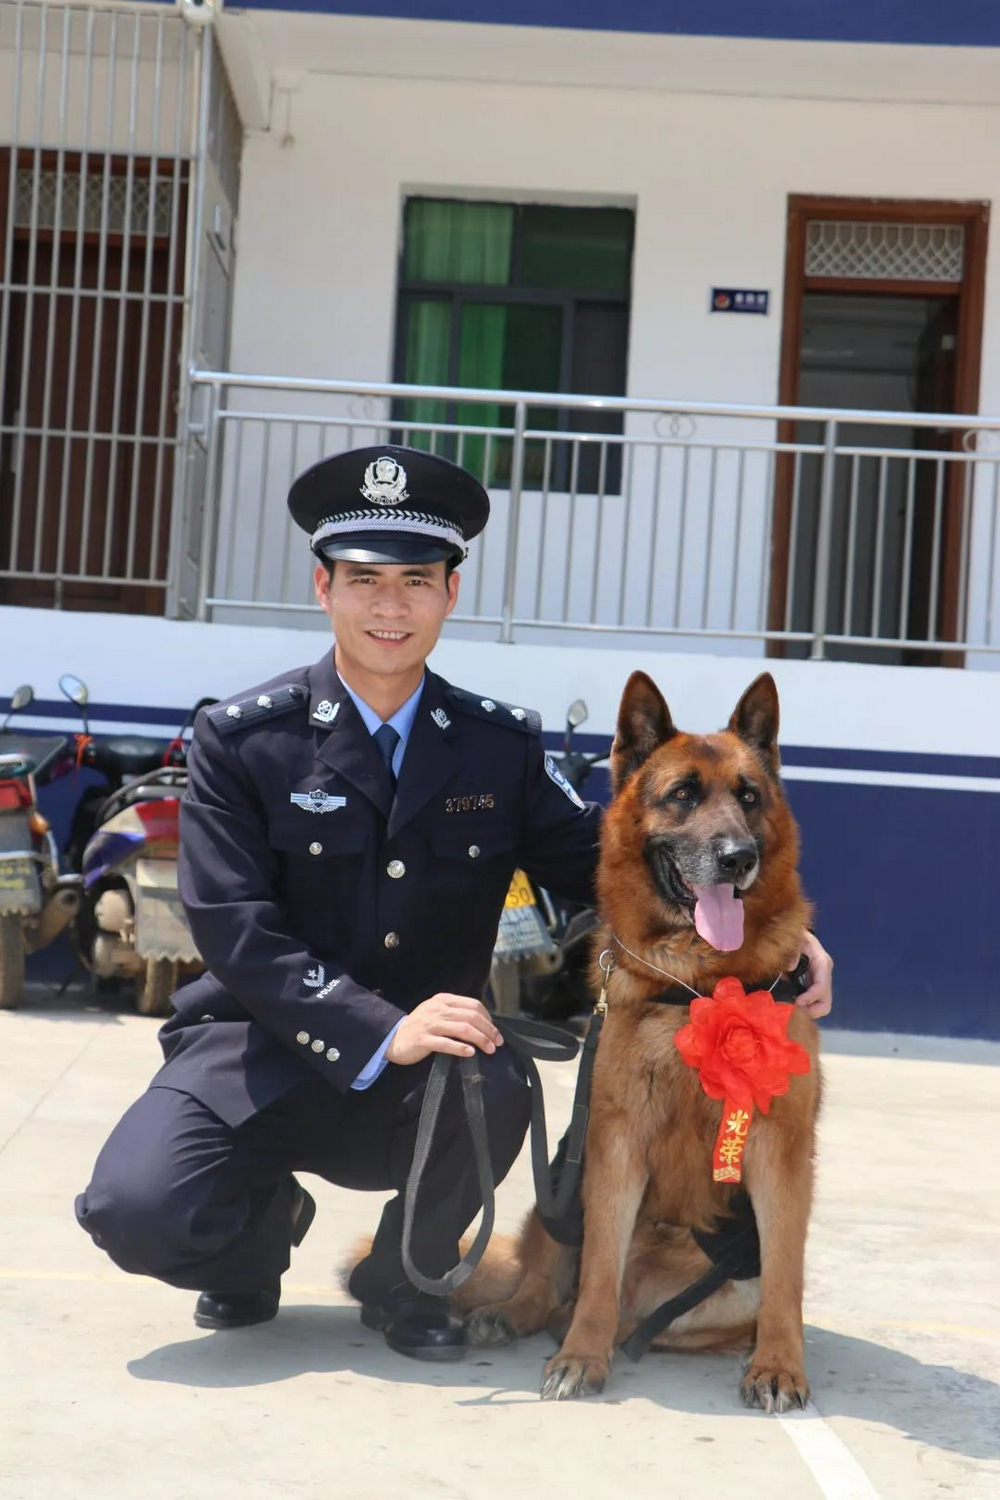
(326, 711)
(385, 482)
(317, 801)
(557, 776)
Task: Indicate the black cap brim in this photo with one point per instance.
(372, 547)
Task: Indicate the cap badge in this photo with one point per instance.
(317, 801)
(326, 711)
(385, 482)
(440, 718)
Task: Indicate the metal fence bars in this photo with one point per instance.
(830, 534)
(104, 116)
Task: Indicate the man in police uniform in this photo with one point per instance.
(347, 838)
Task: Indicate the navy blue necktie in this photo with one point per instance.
(387, 738)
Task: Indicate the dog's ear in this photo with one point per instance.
(755, 718)
(644, 723)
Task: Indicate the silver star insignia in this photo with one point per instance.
(519, 713)
(264, 701)
(489, 705)
(234, 711)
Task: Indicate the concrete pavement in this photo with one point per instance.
(108, 1390)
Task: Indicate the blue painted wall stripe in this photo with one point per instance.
(966, 23)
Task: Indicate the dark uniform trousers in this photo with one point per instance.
(327, 904)
(179, 1195)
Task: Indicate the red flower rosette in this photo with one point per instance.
(739, 1045)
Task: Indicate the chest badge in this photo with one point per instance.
(317, 801)
(326, 711)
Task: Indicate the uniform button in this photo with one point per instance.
(317, 1045)
(302, 1038)
(391, 940)
(208, 1018)
(332, 1055)
(473, 851)
(395, 869)
(379, 993)
(316, 848)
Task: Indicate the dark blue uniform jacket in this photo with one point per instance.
(320, 924)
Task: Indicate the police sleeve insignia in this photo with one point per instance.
(554, 774)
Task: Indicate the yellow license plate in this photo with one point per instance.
(520, 892)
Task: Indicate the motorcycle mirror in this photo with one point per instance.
(576, 713)
(20, 698)
(75, 690)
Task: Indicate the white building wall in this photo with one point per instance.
(708, 176)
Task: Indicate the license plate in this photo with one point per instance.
(520, 892)
(19, 886)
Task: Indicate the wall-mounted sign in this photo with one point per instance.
(726, 299)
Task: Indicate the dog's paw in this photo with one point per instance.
(774, 1385)
(565, 1377)
(488, 1327)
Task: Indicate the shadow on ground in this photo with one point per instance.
(938, 1405)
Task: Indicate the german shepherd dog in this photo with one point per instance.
(697, 879)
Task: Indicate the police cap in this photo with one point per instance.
(389, 505)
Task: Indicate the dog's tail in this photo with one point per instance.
(494, 1280)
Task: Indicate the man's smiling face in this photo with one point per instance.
(386, 618)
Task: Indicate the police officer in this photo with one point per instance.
(347, 839)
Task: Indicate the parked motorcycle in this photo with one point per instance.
(36, 902)
(124, 841)
(540, 955)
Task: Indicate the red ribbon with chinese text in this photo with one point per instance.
(739, 1045)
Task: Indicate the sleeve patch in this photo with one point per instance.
(554, 774)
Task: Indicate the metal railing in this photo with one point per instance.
(853, 534)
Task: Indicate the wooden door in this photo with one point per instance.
(948, 382)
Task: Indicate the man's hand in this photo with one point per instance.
(818, 998)
(456, 1024)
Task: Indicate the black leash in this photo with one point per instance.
(530, 1040)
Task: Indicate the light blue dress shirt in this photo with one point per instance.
(402, 723)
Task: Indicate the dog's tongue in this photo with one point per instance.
(718, 916)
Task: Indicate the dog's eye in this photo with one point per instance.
(681, 794)
(749, 797)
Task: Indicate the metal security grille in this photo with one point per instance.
(885, 251)
(99, 116)
(45, 199)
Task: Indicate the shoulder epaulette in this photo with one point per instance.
(254, 708)
(525, 719)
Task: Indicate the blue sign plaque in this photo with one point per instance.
(728, 299)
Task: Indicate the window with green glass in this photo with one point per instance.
(505, 296)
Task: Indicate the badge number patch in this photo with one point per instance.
(317, 801)
(554, 774)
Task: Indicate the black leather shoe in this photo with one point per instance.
(234, 1309)
(303, 1213)
(243, 1309)
(416, 1325)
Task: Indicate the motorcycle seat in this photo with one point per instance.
(134, 755)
